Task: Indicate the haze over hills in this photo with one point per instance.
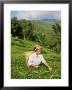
(50, 20)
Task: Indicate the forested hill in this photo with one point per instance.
(44, 25)
(45, 32)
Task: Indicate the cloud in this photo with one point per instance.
(56, 14)
(38, 14)
(30, 14)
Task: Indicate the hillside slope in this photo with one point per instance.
(43, 26)
(19, 69)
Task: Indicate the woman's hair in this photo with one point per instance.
(37, 46)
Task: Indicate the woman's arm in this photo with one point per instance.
(47, 65)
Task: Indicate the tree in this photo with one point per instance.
(16, 29)
(26, 28)
(13, 25)
(57, 30)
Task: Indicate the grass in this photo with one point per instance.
(43, 27)
(19, 69)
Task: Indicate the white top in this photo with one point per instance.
(36, 59)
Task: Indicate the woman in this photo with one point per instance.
(37, 58)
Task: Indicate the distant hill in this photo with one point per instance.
(44, 25)
(49, 20)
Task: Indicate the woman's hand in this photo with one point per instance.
(50, 69)
(36, 66)
(47, 65)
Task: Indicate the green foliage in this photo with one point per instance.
(57, 30)
(16, 29)
(25, 34)
(44, 27)
(44, 32)
(19, 69)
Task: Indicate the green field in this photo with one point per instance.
(19, 69)
(43, 26)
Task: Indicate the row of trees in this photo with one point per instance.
(24, 29)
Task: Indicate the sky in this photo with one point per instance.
(36, 15)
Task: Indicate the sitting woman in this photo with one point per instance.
(37, 58)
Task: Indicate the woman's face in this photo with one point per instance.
(38, 51)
